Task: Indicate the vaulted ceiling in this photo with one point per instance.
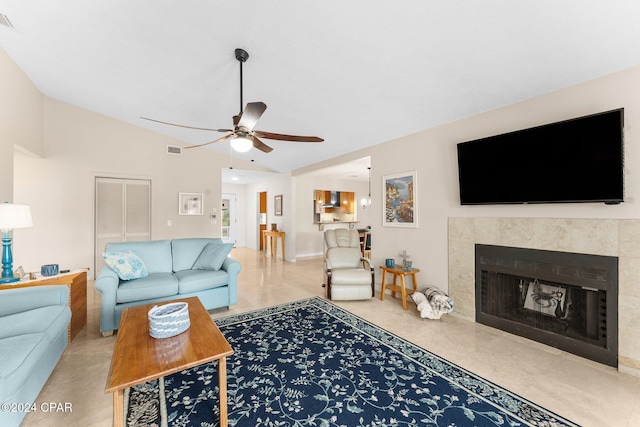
(357, 73)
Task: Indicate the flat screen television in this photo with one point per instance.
(578, 160)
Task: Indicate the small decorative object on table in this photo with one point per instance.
(406, 264)
(169, 320)
(49, 270)
(390, 262)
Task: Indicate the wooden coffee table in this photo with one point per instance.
(138, 358)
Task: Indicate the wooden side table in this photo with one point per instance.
(274, 241)
(398, 272)
(77, 283)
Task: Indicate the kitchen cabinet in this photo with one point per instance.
(346, 201)
(327, 201)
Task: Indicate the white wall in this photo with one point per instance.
(80, 145)
(433, 156)
(21, 121)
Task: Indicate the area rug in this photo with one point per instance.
(311, 363)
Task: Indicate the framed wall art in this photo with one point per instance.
(277, 205)
(400, 196)
(190, 204)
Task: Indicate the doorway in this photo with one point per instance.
(229, 218)
(262, 217)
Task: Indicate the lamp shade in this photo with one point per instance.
(241, 144)
(15, 216)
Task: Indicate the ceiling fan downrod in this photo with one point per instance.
(241, 56)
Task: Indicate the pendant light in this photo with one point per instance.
(366, 203)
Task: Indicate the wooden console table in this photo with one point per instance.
(77, 283)
(398, 272)
(274, 241)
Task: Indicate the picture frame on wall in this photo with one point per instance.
(277, 205)
(400, 196)
(190, 204)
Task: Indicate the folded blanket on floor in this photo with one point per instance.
(432, 303)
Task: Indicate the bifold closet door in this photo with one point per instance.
(122, 213)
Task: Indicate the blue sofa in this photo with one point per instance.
(178, 268)
(34, 330)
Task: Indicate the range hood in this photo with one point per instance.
(334, 202)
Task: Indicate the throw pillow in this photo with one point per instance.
(126, 265)
(212, 256)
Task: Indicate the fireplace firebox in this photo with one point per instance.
(562, 299)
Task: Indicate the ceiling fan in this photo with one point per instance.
(243, 136)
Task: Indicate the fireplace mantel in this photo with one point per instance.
(609, 237)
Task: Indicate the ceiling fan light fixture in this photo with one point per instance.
(241, 144)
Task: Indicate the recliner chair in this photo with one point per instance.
(346, 277)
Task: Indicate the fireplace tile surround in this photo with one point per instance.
(612, 237)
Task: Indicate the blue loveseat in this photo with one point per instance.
(34, 330)
(178, 268)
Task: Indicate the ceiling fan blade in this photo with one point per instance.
(231, 133)
(251, 115)
(185, 126)
(282, 137)
(260, 145)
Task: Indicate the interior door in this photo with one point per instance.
(122, 213)
(229, 218)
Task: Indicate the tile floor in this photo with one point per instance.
(586, 392)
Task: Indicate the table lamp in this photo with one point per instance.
(11, 217)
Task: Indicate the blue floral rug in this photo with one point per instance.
(311, 363)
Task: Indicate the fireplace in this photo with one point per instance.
(562, 299)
